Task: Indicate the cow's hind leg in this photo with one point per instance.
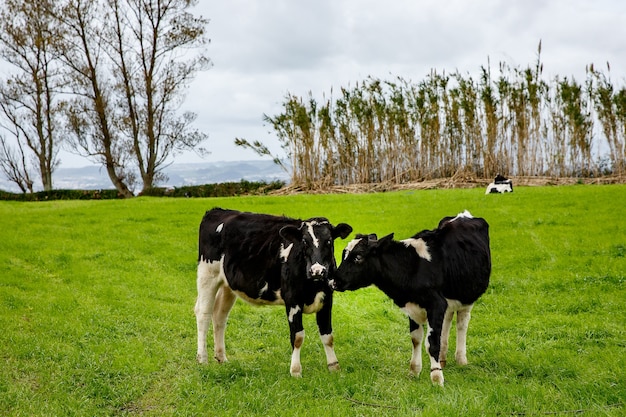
(445, 336)
(324, 324)
(417, 336)
(462, 323)
(224, 302)
(208, 283)
(436, 314)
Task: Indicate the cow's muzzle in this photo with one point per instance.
(318, 271)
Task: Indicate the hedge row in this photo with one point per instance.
(227, 189)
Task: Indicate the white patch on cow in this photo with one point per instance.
(415, 312)
(331, 358)
(210, 277)
(296, 366)
(309, 226)
(317, 269)
(417, 336)
(317, 305)
(350, 247)
(420, 247)
(453, 305)
(264, 289)
(463, 315)
(285, 251)
(465, 214)
(259, 301)
(436, 373)
(494, 188)
(292, 312)
(219, 228)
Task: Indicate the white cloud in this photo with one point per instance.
(263, 49)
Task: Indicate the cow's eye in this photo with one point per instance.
(358, 259)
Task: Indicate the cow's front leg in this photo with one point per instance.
(325, 326)
(296, 330)
(433, 342)
(417, 336)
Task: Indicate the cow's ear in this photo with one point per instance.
(385, 239)
(342, 230)
(291, 233)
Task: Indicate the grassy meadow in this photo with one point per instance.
(96, 312)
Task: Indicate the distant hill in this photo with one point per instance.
(96, 178)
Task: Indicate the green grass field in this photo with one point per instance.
(96, 312)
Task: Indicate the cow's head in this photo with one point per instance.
(359, 263)
(315, 241)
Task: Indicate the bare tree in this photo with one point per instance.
(28, 98)
(148, 43)
(14, 165)
(91, 113)
(128, 71)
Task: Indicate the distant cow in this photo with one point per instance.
(429, 276)
(267, 260)
(500, 185)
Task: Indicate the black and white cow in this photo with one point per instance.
(500, 185)
(266, 260)
(430, 276)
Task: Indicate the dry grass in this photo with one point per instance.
(459, 180)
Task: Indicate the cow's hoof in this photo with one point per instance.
(416, 369)
(436, 376)
(221, 359)
(202, 358)
(333, 366)
(461, 360)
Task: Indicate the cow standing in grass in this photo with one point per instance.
(266, 260)
(429, 276)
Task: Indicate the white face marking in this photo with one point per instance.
(292, 312)
(309, 226)
(420, 247)
(219, 228)
(351, 246)
(285, 251)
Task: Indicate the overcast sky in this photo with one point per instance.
(263, 49)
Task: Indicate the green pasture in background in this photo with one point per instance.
(96, 312)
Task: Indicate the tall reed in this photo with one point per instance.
(514, 122)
